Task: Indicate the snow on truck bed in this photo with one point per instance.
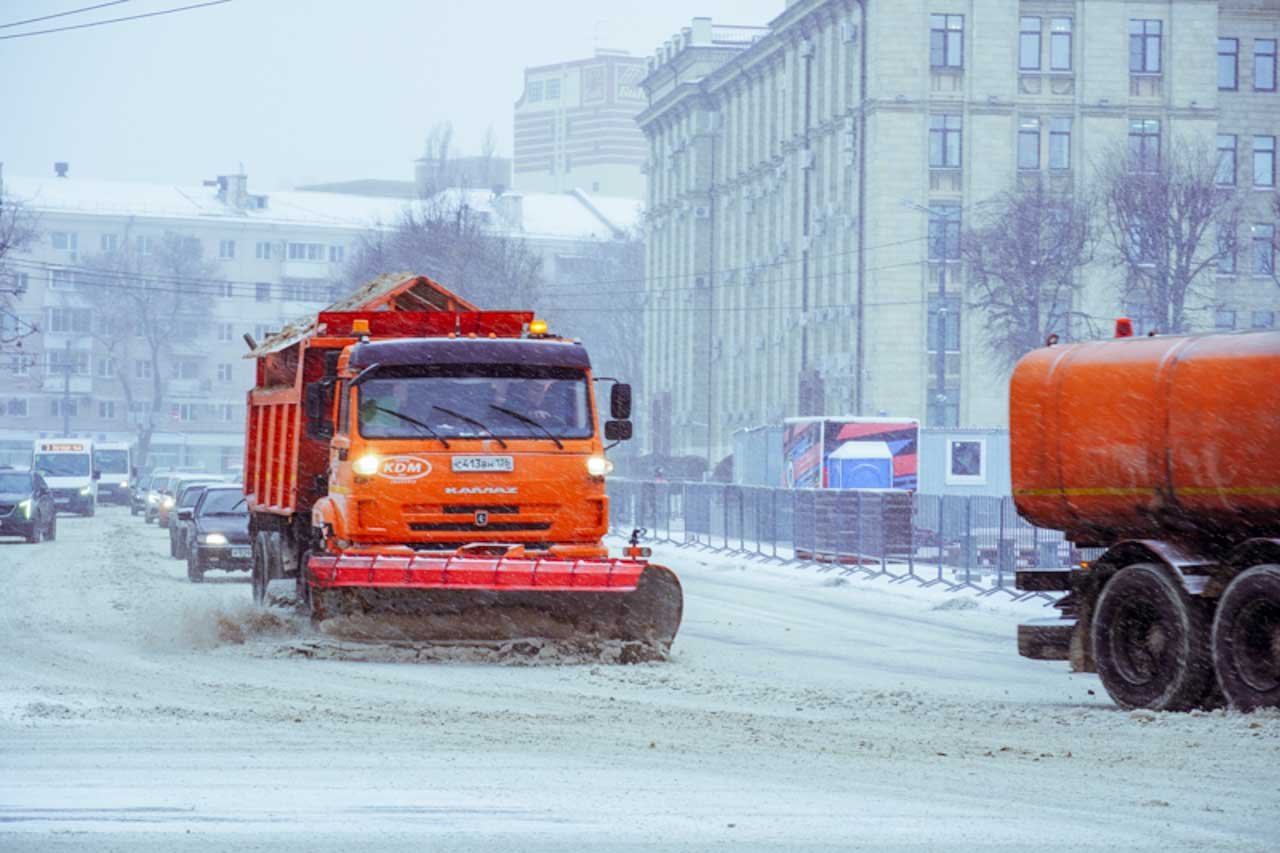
(799, 711)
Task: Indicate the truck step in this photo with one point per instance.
(1046, 639)
(1044, 580)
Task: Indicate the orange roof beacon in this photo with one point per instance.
(426, 469)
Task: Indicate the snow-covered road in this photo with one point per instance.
(800, 711)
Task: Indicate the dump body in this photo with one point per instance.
(1149, 438)
(412, 459)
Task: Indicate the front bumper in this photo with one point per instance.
(16, 524)
(71, 500)
(116, 494)
(232, 558)
(475, 573)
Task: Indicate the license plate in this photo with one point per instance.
(240, 553)
(483, 463)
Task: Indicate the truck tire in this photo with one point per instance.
(259, 574)
(1151, 641)
(302, 591)
(195, 568)
(1246, 639)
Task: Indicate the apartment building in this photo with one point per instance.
(575, 127)
(808, 182)
(267, 259)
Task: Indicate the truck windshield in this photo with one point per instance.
(62, 464)
(467, 401)
(111, 461)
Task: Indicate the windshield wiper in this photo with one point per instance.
(415, 422)
(530, 421)
(473, 422)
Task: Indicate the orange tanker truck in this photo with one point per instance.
(428, 470)
(1165, 452)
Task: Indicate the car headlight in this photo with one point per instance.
(598, 466)
(214, 539)
(367, 465)
(167, 503)
(25, 506)
(152, 497)
(124, 484)
(86, 491)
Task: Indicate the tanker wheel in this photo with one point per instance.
(258, 575)
(1151, 642)
(1246, 639)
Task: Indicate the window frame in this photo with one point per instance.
(1146, 38)
(226, 250)
(944, 35)
(1069, 35)
(944, 217)
(1028, 126)
(940, 127)
(1062, 137)
(1027, 30)
(1258, 54)
(953, 305)
(1144, 138)
(1234, 44)
(1235, 163)
(1270, 155)
(1262, 236)
(954, 479)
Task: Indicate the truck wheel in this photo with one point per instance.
(1246, 639)
(303, 590)
(195, 568)
(259, 573)
(1151, 642)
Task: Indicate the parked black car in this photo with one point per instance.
(26, 506)
(180, 529)
(219, 532)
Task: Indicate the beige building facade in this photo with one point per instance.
(808, 182)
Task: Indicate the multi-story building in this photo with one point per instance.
(267, 260)
(808, 183)
(575, 127)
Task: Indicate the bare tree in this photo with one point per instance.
(1170, 223)
(447, 240)
(1023, 261)
(436, 156)
(18, 229)
(146, 305)
(598, 297)
(1275, 240)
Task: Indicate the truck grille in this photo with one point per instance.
(472, 527)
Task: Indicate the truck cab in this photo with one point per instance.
(66, 464)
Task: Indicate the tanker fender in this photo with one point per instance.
(1246, 555)
(1190, 569)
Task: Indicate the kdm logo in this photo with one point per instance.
(404, 469)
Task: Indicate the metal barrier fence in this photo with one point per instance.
(957, 542)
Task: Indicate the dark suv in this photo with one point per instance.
(180, 526)
(219, 532)
(26, 506)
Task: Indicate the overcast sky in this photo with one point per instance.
(296, 90)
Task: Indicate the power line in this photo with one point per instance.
(101, 23)
(62, 14)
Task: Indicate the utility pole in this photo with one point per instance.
(942, 326)
(66, 392)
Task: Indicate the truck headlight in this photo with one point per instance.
(598, 466)
(214, 539)
(25, 506)
(367, 465)
(152, 497)
(86, 491)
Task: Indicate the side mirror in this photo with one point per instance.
(97, 475)
(186, 514)
(620, 402)
(617, 430)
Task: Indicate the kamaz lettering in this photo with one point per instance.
(482, 490)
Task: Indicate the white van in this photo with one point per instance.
(113, 462)
(67, 466)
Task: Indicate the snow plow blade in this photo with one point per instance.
(469, 599)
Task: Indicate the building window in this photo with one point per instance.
(1144, 145)
(1264, 161)
(20, 364)
(944, 142)
(110, 242)
(1060, 144)
(225, 289)
(1226, 160)
(262, 291)
(336, 254)
(185, 368)
(533, 93)
(949, 316)
(552, 90)
(1264, 249)
(1144, 46)
(1263, 320)
(1264, 65)
(1228, 65)
(185, 411)
(944, 407)
(1060, 44)
(224, 332)
(1029, 144)
(106, 367)
(262, 250)
(107, 410)
(144, 245)
(59, 407)
(1226, 252)
(306, 252)
(75, 361)
(946, 41)
(228, 412)
(944, 232)
(62, 280)
(966, 462)
(226, 249)
(64, 241)
(142, 370)
(1029, 44)
(1224, 320)
(69, 320)
(224, 373)
(16, 408)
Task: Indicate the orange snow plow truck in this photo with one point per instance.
(427, 470)
(1163, 452)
